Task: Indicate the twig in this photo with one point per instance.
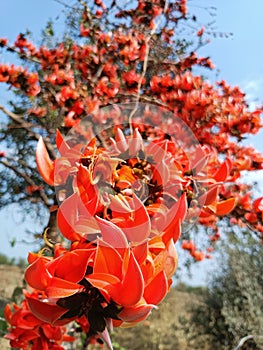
(27, 179)
(18, 119)
(145, 65)
(145, 98)
(22, 55)
(26, 126)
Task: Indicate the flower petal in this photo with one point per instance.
(58, 288)
(209, 197)
(107, 260)
(62, 145)
(44, 164)
(112, 234)
(44, 311)
(71, 266)
(135, 313)
(66, 217)
(130, 291)
(136, 225)
(157, 289)
(225, 207)
(37, 275)
(135, 143)
(224, 170)
(121, 140)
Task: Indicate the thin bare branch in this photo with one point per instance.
(27, 126)
(22, 55)
(145, 98)
(145, 64)
(28, 179)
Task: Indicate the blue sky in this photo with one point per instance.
(238, 58)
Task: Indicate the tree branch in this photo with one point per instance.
(145, 98)
(145, 65)
(27, 126)
(28, 179)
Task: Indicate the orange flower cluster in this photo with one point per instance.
(20, 78)
(248, 211)
(121, 209)
(29, 332)
(122, 230)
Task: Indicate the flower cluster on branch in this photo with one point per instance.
(129, 180)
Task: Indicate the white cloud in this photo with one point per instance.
(254, 91)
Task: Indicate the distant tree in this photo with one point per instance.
(233, 303)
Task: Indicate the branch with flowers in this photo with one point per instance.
(128, 180)
(123, 200)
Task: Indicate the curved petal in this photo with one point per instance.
(44, 164)
(37, 275)
(107, 260)
(34, 256)
(157, 289)
(170, 224)
(25, 319)
(140, 252)
(135, 314)
(171, 262)
(103, 281)
(62, 145)
(136, 225)
(225, 207)
(178, 210)
(44, 311)
(112, 234)
(66, 218)
(161, 173)
(88, 192)
(135, 143)
(223, 172)
(50, 332)
(258, 205)
(130, 291)
(121, 140)
(209, 197)
(70, 266)
(199, 160)
(8, 313)
(58, 288)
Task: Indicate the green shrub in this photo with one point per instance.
(5, 260)
(233, 303)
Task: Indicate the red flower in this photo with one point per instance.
(132, 79)
(38, 111)
(53, 276)
(3, 42)
(122, 215)
(22, 43)
(117, 241)
(200, 31)
(108, 87)
(4, 73)
(29, 332)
